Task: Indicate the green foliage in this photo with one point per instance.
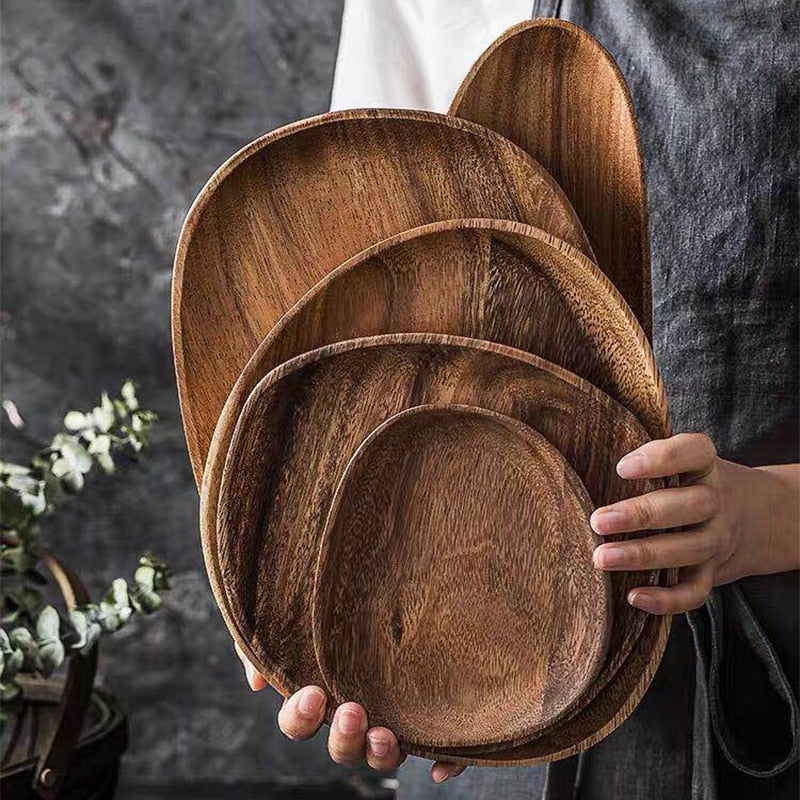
(34, 638)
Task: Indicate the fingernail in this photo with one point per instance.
(310, 703)
(250, 675)
(607, 555)
(378, 745)
(606, 521)
(631, 466)
(642, 601)
(349, 722)
(440, 774)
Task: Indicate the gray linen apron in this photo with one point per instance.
(715, 85)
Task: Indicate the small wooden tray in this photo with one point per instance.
(593, 721)
(291, 206)
(551, 88)
(455, 596)
(302, 423)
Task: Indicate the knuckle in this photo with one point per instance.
(708, 501)
(642, 554)
(642, 512)
(706, 446)
(698, 593)
(707, 545)
(692, 602)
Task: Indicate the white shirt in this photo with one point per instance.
(414, 53)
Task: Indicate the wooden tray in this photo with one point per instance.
(455, 596)
(594, 721)
(302, 423)
(291, 206)
(491, 279)
(551, 88)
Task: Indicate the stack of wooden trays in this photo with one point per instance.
(410, 350)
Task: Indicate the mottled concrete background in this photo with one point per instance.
(114, 113)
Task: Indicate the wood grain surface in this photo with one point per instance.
(291, 206)
(495, 280)
(276, 487)
(551, 88)
(455, 596)
(594, 721)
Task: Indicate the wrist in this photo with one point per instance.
(784, 516)
(768, 522)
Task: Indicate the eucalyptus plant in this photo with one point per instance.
(34, 636)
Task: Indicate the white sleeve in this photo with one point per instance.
(414, 53)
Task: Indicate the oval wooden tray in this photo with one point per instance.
(491, 279)
(291, 206)
(455, 596)
(551, 88)
(305, 419)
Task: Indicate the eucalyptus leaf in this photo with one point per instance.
(73, 452)
(128, 394)
(48, 624)
(8, 468)
(100, 445)
(76, 421)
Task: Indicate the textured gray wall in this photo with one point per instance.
(114, 113)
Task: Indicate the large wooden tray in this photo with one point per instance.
(293, 205)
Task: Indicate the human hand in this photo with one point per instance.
(350, 738)
(737, 521)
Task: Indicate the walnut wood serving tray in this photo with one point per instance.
(291, 206)
(551, 88)
(494, 280)
(455, 595)
(302, 423)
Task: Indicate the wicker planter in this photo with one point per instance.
(67, 739)
(92, 770)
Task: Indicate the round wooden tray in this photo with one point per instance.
(291, 206)
(305, 419)
(553, 89)
(455, 596)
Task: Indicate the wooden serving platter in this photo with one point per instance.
(291, 206)
(551, 88)
(302, 423)
(455, 596)
(594, 721)
(494, 280)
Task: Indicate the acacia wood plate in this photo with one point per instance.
(494, 280)
(593, 721)
(294, 204)
(302, 423)
(551, 88)
(455, 596)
